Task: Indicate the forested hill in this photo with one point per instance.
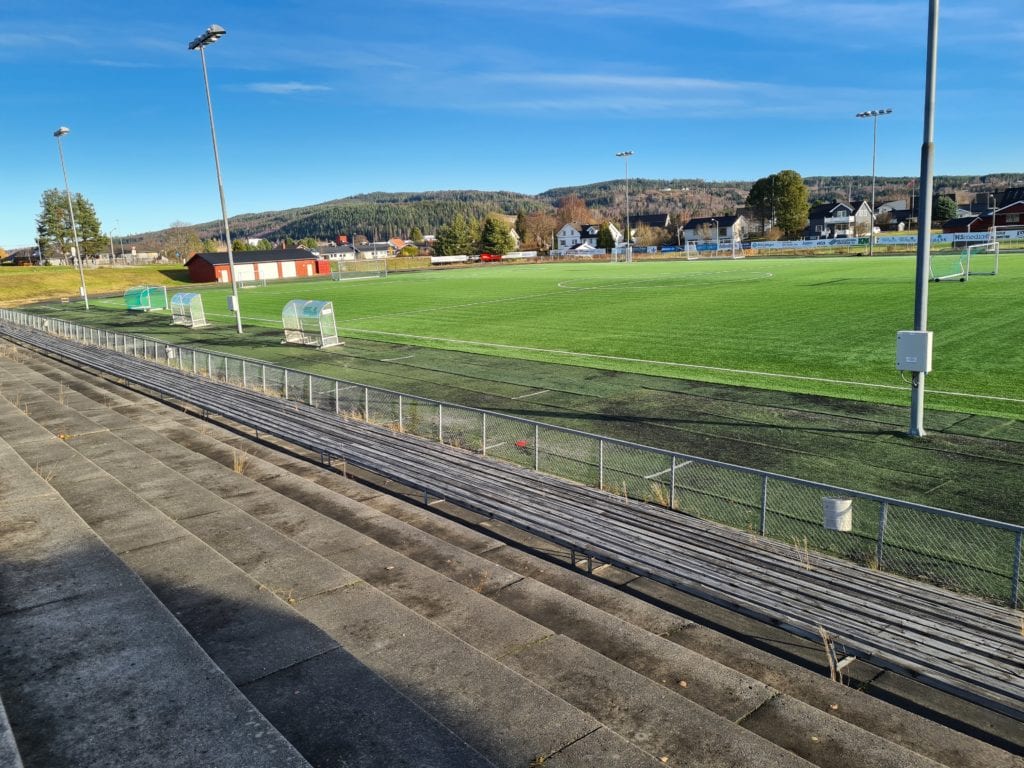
(380, 215)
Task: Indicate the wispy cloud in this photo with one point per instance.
(284, 89)
(121, 64)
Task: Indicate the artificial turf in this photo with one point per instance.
(487, 337)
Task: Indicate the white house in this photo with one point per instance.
(722, 229)
(574, 234)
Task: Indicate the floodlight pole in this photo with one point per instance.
(629, 239)
(924, 235)
(874, 114)
(214, 33)
(62, 131)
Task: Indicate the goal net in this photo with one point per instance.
(946, 266)
(983, 259)
(144, 298)
(360, 269)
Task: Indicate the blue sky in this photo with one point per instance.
(316, 100)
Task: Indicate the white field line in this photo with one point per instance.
(531, 394)
(393, 359)
(669, 364)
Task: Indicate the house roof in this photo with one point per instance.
(963, 221)
(253, 257)
(723, 221)
(649, 219)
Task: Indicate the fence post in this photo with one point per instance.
(366, 404)
(883, 521)
(285, 383)
(209, 366)
(483, 435)
(401, 421)
(193, 361)
(337, 402)
(311, 389)
(600, 464)
(440, 423)
(764, 504)
(672, 486)
(245, 379)
(263, 378)
(536, 447)
(1015, 587)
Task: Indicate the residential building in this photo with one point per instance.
(1007, 217)
(723, 229)
(837, 219)
(574, 234)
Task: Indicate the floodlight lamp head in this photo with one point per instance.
(62, 131)
(212, 34)
(627, 153)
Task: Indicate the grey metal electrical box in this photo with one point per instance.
(232, 304)
(914, 351)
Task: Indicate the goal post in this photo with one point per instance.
(359, 269)
(983, 258)
(145, 298)
(947, 266)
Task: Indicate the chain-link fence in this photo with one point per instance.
(949, 549)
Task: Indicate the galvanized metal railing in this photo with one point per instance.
(963, 552)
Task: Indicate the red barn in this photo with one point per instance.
(253, 265)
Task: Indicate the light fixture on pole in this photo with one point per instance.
(629, 235)
(874, 114)
(924, 234)
(63, 131)
(214, 33)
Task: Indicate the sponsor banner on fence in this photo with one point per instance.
(845, 242)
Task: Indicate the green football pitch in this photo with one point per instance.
(824, 326)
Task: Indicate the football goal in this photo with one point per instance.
(983, 258)
(144, 298)
(187, 310)
(310, 322)
(360, 269)
(259, 283)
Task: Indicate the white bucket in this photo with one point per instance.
(838, 514)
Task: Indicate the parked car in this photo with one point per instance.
(490, 257)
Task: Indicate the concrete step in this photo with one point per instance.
(648, 640)
(470, 597)
(500, 713)
(9, 755)
(528, 646)
(93, 669)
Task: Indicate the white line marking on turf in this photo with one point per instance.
(530, 394)
(392, 359)
(670, 364)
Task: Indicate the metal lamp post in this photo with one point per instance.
(874, 114)
(629, 237)
(214, 33)
(924, 219)
(717, 238)
(63, 131)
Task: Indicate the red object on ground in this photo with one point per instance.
(522, 445)
(490, 257)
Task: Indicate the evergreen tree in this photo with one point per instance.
(605, 239)
(496, 236)
(53, 225)
(944, 209)
(791, 206)
(415, 235)
(457, 238)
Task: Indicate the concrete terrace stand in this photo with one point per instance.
(368, 631)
